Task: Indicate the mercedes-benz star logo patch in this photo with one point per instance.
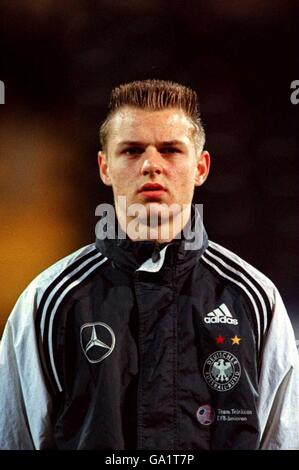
(97, 341)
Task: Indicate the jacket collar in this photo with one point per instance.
(182, 252)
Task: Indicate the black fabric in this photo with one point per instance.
(152, 390)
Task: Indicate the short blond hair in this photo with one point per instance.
(155, 95)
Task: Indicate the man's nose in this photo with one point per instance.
(152, 162)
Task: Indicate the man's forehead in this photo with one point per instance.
(132, 121)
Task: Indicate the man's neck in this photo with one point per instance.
(160, 231)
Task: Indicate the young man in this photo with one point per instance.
(154, 338)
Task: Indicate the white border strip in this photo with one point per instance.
(53, 292)
(59, 300)
(246, 280)
(245, 290)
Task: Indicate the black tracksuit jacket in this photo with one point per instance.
(137, 347)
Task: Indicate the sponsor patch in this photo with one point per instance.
(97, 341)
(205, 415)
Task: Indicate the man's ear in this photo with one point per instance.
(104, 168)
(202, 168)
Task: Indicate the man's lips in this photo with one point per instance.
(152, 190)
(151, 187)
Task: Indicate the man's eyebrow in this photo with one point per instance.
(130, 142)
(172, 142)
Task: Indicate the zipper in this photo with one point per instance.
(156, 253)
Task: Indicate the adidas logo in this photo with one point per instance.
(221, 315)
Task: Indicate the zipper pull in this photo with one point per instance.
(156, 253)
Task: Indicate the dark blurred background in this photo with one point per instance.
(59, 61)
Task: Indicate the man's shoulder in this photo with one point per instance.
(232, 267)
(57, 278)
(70, 267)
(65, 264)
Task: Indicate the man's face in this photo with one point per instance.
(152, 148)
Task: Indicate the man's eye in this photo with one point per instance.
(168, 150)
(133, 151)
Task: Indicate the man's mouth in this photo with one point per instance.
(152, 190)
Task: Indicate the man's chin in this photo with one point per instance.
(157, 213)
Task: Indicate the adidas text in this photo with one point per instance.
(231, 321)
(221, 315)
